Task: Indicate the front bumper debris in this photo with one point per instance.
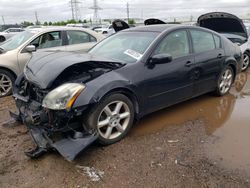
(53, 131)
(69, 148)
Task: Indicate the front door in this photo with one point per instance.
(46, 41)
(170, 83)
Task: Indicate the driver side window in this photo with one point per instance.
(48, 40)
(175, 44)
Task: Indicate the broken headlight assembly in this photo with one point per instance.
(63, 97)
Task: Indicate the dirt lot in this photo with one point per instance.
(200, 143)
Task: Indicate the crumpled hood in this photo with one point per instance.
(45, 67)
(222, 22)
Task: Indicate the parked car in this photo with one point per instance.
(15, 52)
(69, 100)
(231, 27)
(8, 33)
(105, 29)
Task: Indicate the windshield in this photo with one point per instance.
(125, 47)
(15, 41)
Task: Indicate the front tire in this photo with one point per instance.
(112, 118)
(225, 81)
(246, 61)
(6, 81)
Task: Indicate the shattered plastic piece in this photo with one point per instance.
(37, 152)
(173, 141)
(69, 148)
(91, 172)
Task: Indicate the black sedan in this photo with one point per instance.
(69, 100)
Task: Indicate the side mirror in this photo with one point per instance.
(160, 59)
(29, 48)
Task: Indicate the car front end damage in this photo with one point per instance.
(50, 129)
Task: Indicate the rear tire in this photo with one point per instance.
(7, 80)
(246, 61)
(112, 118)
(225, 81)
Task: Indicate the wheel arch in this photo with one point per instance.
(9, 70)
(128, 93)
(247, 51)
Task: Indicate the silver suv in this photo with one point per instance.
(16, 51)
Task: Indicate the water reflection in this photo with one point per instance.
(231, 149)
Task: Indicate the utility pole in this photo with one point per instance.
(72, 9)
(3, 20)
(96, 8)
(37, 22)
(128, 11)
(75, 10)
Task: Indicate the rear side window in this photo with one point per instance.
(176, 44)
(217, 41)
(202, 41)
(78, 37)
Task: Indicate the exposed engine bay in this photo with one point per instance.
(61, 130)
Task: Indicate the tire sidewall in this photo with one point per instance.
(97, 109)
(218, 92)
(248, 54)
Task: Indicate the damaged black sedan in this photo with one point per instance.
(69, 100)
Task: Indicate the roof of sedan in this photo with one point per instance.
(156, 28)
(52, 28)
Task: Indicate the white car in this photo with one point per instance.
(16, 51)
(105, 29)
(9, 33)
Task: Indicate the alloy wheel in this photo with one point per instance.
(5, 84)
(113, 120)
(226, 81)
(245, 61)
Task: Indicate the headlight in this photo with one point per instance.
(63, 96)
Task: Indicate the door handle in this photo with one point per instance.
(189, 63)
(219, 56)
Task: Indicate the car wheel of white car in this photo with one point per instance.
(246, 61)
(2, 39)
(225, 81)
(6, 81)
(113, 118)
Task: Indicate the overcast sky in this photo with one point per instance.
(16, 11)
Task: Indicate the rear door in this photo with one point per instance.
(79, 41)
(209, 57)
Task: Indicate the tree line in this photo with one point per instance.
(63, 23)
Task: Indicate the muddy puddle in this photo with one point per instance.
(227, 123)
